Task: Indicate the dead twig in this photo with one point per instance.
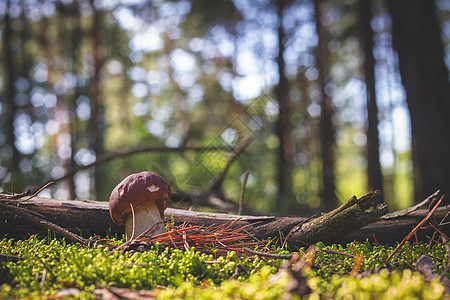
(38, 218)
(414, 230)
(438, 226)
(41, 221)
(410, 209)
(16, 196)
(241, 198)
(128, 152)
(13, 258)
(13, 207)
(444, 240)
(268, 255)
(38, 191)
(296, 228)
(237, 271)
(447, 248)
(337, 252)
(217, 182)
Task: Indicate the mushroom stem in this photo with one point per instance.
(145, 217)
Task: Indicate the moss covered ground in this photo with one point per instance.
(54, 268)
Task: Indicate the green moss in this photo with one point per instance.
(258, 286)
(400, 284)
(49, 266)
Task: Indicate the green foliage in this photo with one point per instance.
(258, 286)
(50, 265)
(400, 284)
(90, 268)
(374, 257)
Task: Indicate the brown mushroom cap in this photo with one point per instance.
(137, 189)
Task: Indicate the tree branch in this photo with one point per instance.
(128, 152)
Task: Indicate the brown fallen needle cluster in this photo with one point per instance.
(215, 239)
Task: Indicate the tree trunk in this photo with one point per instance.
(72, 17)
(8, 105)
(327, 128)
(375, 177)
(417, 39)
(286, 149)
(96, 122)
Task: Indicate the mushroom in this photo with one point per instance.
(146, 194)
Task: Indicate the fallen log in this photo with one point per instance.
(357, 219)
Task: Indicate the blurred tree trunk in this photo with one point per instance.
(307, 144)
(96, 125)
(286, 150)
(75, 41)
(12, 156)
(375, 177)
(127, 83)
(417, 39)
(327, 128)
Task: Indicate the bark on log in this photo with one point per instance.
(210, 198)
(88, 218)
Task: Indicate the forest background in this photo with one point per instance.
(337, 97)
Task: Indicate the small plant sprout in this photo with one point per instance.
(139, 202)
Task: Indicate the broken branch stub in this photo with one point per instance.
(347, 218)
